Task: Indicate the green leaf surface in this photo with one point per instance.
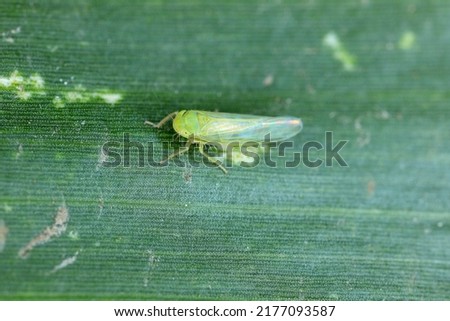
(77, 74)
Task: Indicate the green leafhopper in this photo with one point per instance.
(206, 127)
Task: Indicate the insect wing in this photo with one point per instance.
(223, 127)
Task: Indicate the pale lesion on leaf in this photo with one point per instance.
(3, 235)
(55, 230)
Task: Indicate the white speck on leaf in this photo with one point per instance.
(109, 98)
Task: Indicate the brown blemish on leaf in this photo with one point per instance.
(55, 230)
(3, 234)
(187, 175)
(371, 185)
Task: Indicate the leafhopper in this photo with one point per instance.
(220, 129)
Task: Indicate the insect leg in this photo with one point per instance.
(182, 150)
(212, 159)
(169, 117)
